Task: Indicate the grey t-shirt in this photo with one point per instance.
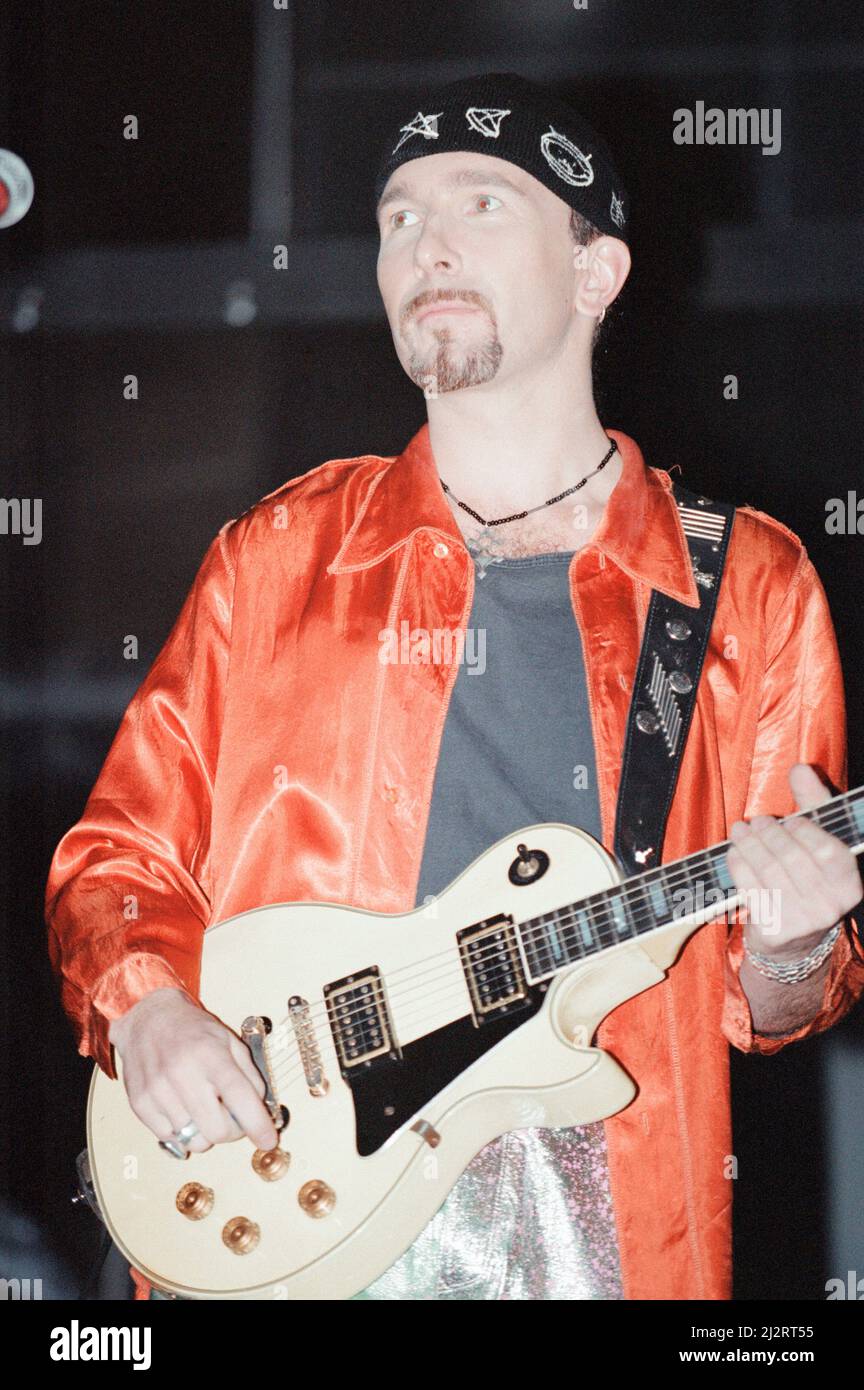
(531, 1217)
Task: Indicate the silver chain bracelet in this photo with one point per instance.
(790, 972)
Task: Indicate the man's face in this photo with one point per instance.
(475, 269)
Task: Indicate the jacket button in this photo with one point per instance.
(441, 550)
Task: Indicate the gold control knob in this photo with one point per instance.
(194, 1200)
(271, 1164)
(241, 1235)
(316, 1198)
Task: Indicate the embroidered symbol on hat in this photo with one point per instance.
(556, 147)
(427, 126)
(616, 210)
(486, 120)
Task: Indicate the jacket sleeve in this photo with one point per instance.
(127, 897)
(802, 718)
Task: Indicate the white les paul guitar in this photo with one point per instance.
(394, 1047)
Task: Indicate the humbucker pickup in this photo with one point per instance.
(360, 1019)
(493, 967)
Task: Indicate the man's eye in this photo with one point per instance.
(485, 201)
(402, 213)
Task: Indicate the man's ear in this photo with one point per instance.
(599, 273)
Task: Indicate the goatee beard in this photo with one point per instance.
(446, 371)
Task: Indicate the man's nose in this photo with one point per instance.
(435, 249)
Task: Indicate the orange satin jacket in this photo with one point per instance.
(269, 756)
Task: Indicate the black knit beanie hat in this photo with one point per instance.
(505, 115)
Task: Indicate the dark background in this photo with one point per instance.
(154, 257)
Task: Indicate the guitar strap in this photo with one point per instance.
(664, 692)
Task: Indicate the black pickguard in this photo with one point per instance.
(425, 1067)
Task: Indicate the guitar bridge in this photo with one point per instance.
(300, 1016)
(493, 967)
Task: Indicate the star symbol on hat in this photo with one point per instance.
(427, 126)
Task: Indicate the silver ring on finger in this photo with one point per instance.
(189, 1130)
(174, 1148)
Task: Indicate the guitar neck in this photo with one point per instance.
(698, 887)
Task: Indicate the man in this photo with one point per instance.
(273, 755)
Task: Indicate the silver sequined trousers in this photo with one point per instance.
(530, 1218)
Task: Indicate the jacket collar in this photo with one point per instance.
(640, 530)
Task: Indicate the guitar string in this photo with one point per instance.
(568, 915)
(449, 970)
(568, 934)
(456, 972)
(287, 1065)
(452, 983)
(450, 979)
(286, 1059)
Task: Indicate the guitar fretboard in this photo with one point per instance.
(662, 895)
